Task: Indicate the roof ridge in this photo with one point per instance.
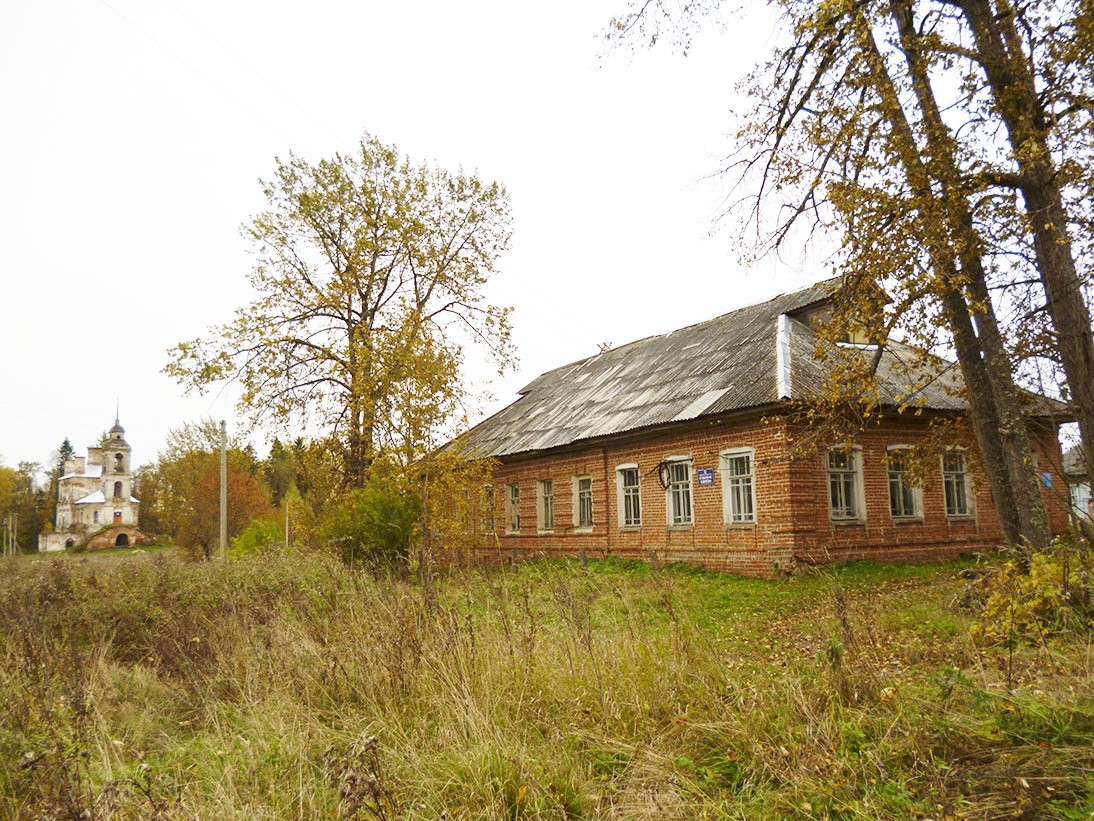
(676, 331)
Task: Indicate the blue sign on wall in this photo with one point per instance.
(706, 477)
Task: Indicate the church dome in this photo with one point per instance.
(117, 433)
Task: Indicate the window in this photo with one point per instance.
(1080, 499)
(630, 496)
(512, 508)
(738, 486)
(903, 494)
(583, 502)
(679, 491)
(955, 483)
(545, 504)
(845, 485)
(95, 517)
(487, 510)
(117, 490)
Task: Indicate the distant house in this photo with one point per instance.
(1078, 483)
(680, 448)
(95, 503)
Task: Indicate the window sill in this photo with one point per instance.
(740, 525)
(961, 517)
(629, 528)
(583, 530)
(688, 526)
(907, 520)
(545, 532)
(847, 522)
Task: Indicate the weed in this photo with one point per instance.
(356, 775)
(259, 688)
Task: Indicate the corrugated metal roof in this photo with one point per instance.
(722, 365)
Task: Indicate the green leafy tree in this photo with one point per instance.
(260, 536)
(369, 277)
(375, 525)
(280, 470)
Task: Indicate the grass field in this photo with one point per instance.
(290, 687)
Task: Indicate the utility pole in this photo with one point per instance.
(10, 533)
(223, 490)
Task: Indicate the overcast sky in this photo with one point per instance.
(134, 133)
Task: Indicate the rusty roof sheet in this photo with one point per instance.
(715, 367)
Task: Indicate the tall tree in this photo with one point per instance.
(370, 274)
(1041, 90)
(922, 118)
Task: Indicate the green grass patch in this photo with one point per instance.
(287, 686)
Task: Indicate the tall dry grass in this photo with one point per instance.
(291, 687)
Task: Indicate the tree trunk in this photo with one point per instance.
(986, 356)
(1014, 90)
(982, 414)
(990, 388)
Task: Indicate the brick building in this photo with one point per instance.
(680, 448)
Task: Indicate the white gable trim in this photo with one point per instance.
(782, 358)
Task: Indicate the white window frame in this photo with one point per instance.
(512, 508)
(1079, 493)
(625, 492)
(679, 490)
(907, 485)
(853, 490)
(545, 505)
(579, 523)
(732, 514)
(950, 479)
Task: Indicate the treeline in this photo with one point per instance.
(26, 506)
(294, 496)
(298, 496)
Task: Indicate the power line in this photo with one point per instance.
(258, 74)
(573, 319)
(206, 78)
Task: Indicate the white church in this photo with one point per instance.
(96, 507)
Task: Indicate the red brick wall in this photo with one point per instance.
(792, 514)
(107, 537)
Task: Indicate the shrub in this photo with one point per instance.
(374, 524)
(260, 536)
(1054, 596)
